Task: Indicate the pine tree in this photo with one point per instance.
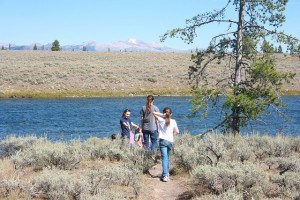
(34, 47)
(251, 84)
(279, 50)
(267, 47)
(55, 46)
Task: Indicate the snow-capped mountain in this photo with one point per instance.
(132, 45)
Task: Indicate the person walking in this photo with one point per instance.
(167, 128)
(148, 124)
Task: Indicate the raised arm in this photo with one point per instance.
(158, 114)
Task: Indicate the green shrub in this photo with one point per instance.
(215, 145)
(246, 178)
(9, 186)
(241, 150)
(190, 152)
(287, 185)
(47, 154)
(295, 143)
(288, 164)
(12, 144)
(262, 146)
(103, 179)
(57, 184)
(282, 146)
(120, 151)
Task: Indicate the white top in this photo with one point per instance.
(165, 132)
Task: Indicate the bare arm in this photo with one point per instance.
(175, 130)
(134, 125)
(158, 114)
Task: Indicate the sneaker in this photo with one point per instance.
(165, 179)
(153, 158)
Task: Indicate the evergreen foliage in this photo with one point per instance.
(55, 46)
(250, 83)
(34, 47)
(279, 50)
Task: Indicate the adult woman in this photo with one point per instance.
(167, 128)
(149, 127)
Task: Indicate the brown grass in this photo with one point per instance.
(7, 170)
(88, 74)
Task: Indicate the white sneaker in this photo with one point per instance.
(165, 179)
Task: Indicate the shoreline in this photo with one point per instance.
(96, 94)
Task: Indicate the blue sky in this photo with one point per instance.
(106, 21)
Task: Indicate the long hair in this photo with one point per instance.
(125, 111)
(150, 99)
(168, 112)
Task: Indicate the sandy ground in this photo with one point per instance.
(153, 188)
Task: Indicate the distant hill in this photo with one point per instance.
(132, 45)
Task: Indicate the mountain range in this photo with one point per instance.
(132, 45)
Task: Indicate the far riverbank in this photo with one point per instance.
(46, 74)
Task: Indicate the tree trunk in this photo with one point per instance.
(238, 65)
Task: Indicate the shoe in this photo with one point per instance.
(153, 158)
(165, 179)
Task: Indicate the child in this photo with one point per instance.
(113, 137)
(126, 126)
(138, 137)
(167, 128)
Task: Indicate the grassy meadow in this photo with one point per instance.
(92, 74)
(213, 167)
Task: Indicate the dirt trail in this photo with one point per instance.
(153, 188)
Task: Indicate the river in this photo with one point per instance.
(70, 118)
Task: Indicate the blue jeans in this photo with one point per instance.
(153, 135)
(165, 147)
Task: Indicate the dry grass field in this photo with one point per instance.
(67, 74)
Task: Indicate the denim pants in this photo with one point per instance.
(153, 135)
(165, 147)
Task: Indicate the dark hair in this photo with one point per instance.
(150, 99)
(137, 130)
(113, 136)
(168, 112)
(125, 111)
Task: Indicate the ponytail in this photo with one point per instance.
(150, 99)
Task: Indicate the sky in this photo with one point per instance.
(24, 22)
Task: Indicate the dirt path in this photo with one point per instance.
(153, 188)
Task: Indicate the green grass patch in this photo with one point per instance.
(89, 94)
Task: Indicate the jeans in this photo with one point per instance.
(165, 147)
(153, 135)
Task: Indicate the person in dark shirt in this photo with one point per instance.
(126, 126)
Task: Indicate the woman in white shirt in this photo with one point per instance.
(167, 128)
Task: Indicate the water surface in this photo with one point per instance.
(68, 118)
